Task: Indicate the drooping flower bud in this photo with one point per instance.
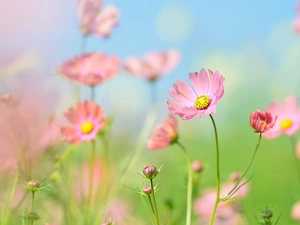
(150, 171)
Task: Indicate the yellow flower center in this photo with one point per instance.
(86, 127)
(202, 102)
(285, 123)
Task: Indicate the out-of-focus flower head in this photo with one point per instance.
(208, 89)
(262, 121)
(295, 213)
(227, 212)
(296, 24)
(117, 211)
(94, 20)
(153, 65)
(87, 119)
(90, 68)
(288, 117)
(164, 135)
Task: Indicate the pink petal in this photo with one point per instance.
(184, 89)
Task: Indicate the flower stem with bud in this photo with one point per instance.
(154, 202)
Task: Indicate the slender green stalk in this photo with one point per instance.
(151, 204)
(218, 173)
(249, 164)
(189, 185)
(154, 203)
(32, 201)
(31, 205)
(293, 142)
(149, 121)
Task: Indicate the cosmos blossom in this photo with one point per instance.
(153, 65)
(163, 135)
(96, 21)
(87, 119)
(90, 68)
(295, 212)
(202, 99)
(288, 117)
(262, 121)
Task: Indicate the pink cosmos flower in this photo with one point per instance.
(6, 98)
(261, 121)
(153, 64)
(208, 89)
(298, 149)
(295, 213)
(164, 134)
(93, 21)
(86, 119)
(90, 68)
(288, 117)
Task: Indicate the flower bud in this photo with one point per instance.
(33, 216)
(197, 166)
(150, 171)
(147, 189)
(235, 176)
(266, 214)
(33, 185)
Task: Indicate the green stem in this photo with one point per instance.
(249, 164)
(218, 173)
(154, 202)
(189, 185)
(32, 201)
(151, 203)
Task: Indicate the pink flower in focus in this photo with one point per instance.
(93, 21)
(153, 64)
(163, 135)
(86, 119)
(90, 68)
(288, 117)
(208, 89)
(295, 213)
(261, 121)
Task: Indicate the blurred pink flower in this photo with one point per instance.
(117, 211)
(96, 21)
(227, 212)
(261, 121)
(81, 183)
(295, 213)
(164, 134)
(24, 132)
(208, 89)
(90, 68)
(153, 65)
(87, 119)
(6, 98)
(288, 117)
(296, 24)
